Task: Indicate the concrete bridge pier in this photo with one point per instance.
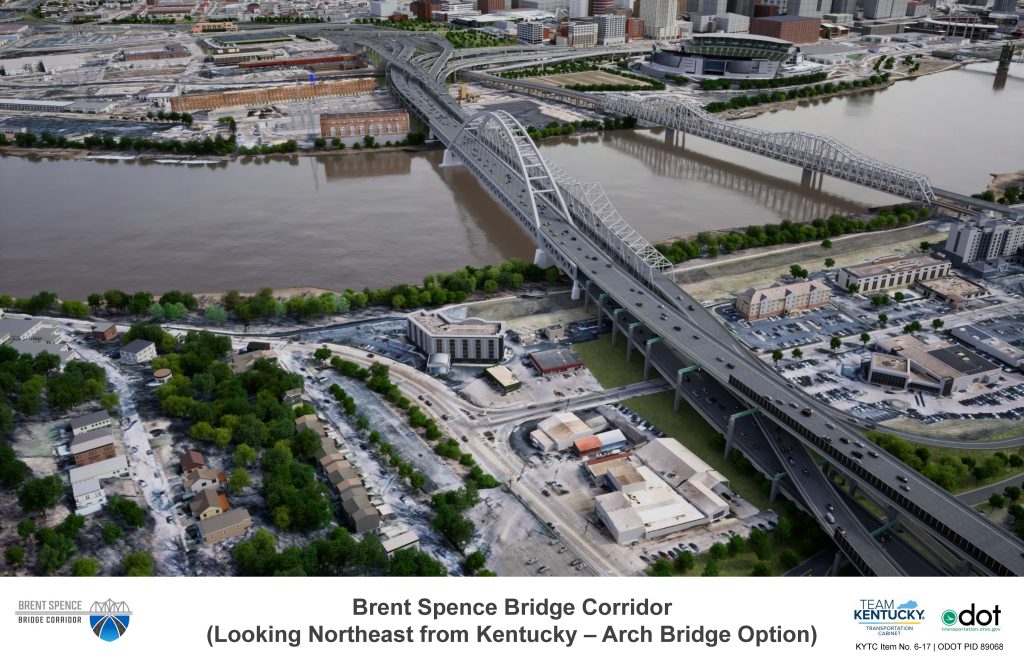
(679, 385)
(575, 290)
(776, 482)
(450, 160)
(647, 356)
(806, 177)
(615, 323)
(600, 309)
(540, 258)
(837, 562)
(670, 137)
(730, 431)
(630, 341)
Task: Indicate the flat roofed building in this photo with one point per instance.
(673, 461)
(559, 431)
(990, 345)
(893, 272)
(754, 304)
(611, 29)
(366, 123)
(93, 446)
(91, 421)
(36, 348)
(985, 239)
(796, 29)
(138, 351)
(940, 367)
(224, 526)
(952, 290)
(601, 443)
(253, 97)
(888, 370)
(649, 512)
(502, 378)
(530, 33)
(556, 360)
(396, 537)
(104, 469)
(467, 340)
(208, 503)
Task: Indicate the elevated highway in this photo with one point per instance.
(577, 228)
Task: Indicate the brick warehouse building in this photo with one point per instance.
(268, 95)
(369, 123)
(797, 29)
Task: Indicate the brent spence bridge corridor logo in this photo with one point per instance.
(887, 616)
(108, 619)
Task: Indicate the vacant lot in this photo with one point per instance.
(585, 78)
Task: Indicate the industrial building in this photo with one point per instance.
(263, 96)
(673, 491)
(757, 303)
(559, 431)
(990, 345)
(795, 29)
(557, 360)
(466, 340)
(893, 272)
(941, 368)
(952, 290)
(382, 123)
(591, 445)
(983, 240)
(169, 52)
(721, 55)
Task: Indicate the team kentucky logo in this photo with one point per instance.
(109, 619)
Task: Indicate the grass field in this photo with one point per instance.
(609, 364)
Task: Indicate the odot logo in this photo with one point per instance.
(971, 619)
(109, 619)
(949, 617)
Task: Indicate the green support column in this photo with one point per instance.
(629, 341)
(729, 432)
(600, 308)
(615, 323)
(647, 356)
(775, 485)
(679, 384)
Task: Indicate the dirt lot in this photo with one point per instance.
(528, 314)
(584, 78)
(761, 267)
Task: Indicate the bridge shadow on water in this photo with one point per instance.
(788, 199)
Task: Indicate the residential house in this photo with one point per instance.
(103, 469)
(202, 477)
(93, 446)
(89, 496)
(191, 460)
(138, 351)
(224, 526)
(210, 502)
(105, 332)
(91, 421)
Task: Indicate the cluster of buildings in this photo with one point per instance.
(32, 337)
(985, 245)
(93, 449)
(217, 520)
(661, 489)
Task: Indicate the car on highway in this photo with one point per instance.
(545, 492)
(844, 440)
(806, 472)
(829, 507)
(170, 520)
(873, 453)
(806, 412)
(905, 488)
(730, 366)
(678, 328)
(857, 454)
(830, 519)
(902, 479)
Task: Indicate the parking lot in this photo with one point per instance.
(780, 333)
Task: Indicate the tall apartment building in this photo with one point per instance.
(893, 272)
(601, 7)
(713, 7)
(844, 7)
(730, 23)
(1004, 6)
(985, 239)
(885, 8)
(470, 339)
(744, 7)
(611, 29)
(659, 18)
(491, 6)
(579, 8)
(635, 28)
(811, 8)
(578, 35)
(530, 33)
(754, 304)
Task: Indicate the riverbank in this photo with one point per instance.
(790, 104)
(171, 158)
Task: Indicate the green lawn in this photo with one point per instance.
(609, 364)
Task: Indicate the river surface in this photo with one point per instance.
(79, 226)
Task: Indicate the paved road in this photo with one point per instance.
(979, 495)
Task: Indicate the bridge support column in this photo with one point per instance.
(806, 177)
(600, 309)
(450, 160)
(730, 431)
(837, 561)
(542, 259)
(647, 356)
(586, 297)
(776, 482)
(629, 341)
(670, 136)
(615, 323)
(575, 290)
(679, 385)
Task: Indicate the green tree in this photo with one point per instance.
(736, 545)
(710, 569)
(85, 566)
(245, 455)
(41, 494)
(322, 354)
(783, 531)
(996, 501)
(14, 556)
(835, 343)
(826, 244)
(777, 356)
(797, 272)
(26, 528)
(899, 296)
(761, 570)
(74, 309)
(475, 561)
(239, 481)
(684, 562)
(137, 564)
(797, 353)
(883, 320)
(829, 263)
(865, 338)
(938, 324)
(112, 533)
(853, 288)
(789, 559)
(1012, 493)
(925, 246)
(717, 551)
(661, 568)
(109, 401)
